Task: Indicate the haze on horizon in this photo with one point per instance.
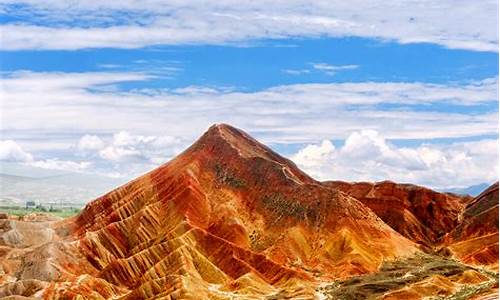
(101, 92)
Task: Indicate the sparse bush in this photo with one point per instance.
(284, 207)
(224, 176)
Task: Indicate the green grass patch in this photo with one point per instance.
(20, 211)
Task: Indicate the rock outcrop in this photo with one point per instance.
(420, 214)
(475, 239)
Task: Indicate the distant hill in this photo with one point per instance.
(473, 190)
(67, 188)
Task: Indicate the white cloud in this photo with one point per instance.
(313, 156)
(331, 69)
(136, 130)
(11, 151)
(62, 165)
(297, 71)
(118, 153)
(368, 156)
(325, 68)
(125, 154)
(57, 81)
(150, 148)
(64, 103)
(90, 142)
(186, 22)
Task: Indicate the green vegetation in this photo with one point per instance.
(21, 211)
(284, 207)
(224, 176)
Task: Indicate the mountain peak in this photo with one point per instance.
(232, 135)
(235, 145)
(221, 127)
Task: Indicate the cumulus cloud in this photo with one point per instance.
(90, 142)
(133, 131)
(127, 154)
(11, 151)
(367, 156)
(132, 24)
(118, 153)
(122, 155)
(154, 149)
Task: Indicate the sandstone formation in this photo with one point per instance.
(420, 214)
(229, 216)
(475, 239)
(230, 219)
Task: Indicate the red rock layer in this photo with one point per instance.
(228, 217)
(475, 239)
(418, 213)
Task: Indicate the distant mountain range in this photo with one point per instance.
(73, 188)
(473, 190)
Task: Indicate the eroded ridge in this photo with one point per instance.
(226, 219)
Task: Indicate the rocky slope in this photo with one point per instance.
(230, 216)
(226, 219)
(420, 214)
(475, 239)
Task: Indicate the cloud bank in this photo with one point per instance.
(300, 113)
(12, 152)
(95, 126)
(368, 156)
(133, 24)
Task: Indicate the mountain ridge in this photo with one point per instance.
(228, 218)
(229, 189)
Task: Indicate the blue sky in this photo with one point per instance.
(265, 63)
(406, 91)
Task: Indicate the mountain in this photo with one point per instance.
(68, 188)
(475, 239)
(227, 216)
(226, 219)
(231, 212)
(418, 213)
(473, 190)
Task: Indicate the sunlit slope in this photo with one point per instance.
(229, 217)
(475, 239)
(418, 213)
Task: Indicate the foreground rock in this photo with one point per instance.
(475, 239)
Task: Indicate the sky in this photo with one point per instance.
(358, 90)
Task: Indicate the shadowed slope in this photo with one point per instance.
(475, 239)
(418, 213)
